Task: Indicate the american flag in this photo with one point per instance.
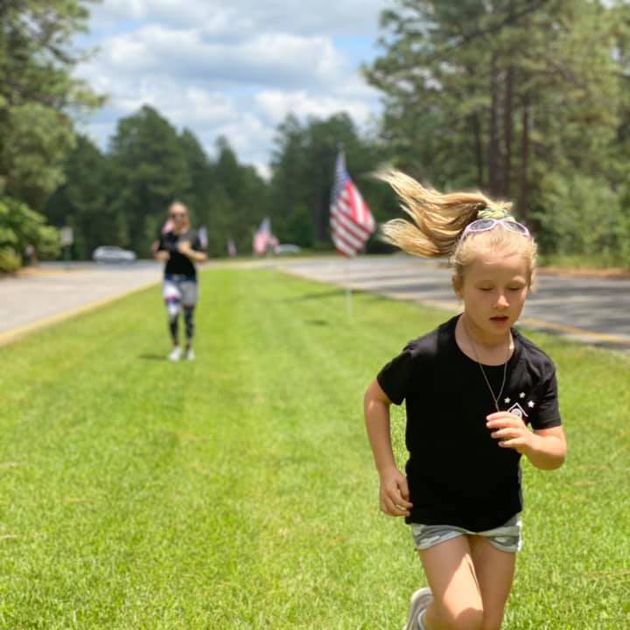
(202, 235)
(231, 247)
(264, 240)
(351, 221)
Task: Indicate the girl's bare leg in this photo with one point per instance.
(470, 580)
(450, 571)
(494, 570)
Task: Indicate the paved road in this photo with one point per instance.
(54, 292)
(591, 310)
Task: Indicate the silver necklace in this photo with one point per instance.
(483, 372)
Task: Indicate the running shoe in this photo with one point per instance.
(175, 354)
(190, 354)
(420, 601)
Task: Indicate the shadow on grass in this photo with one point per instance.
(317, 322)
(318, 295)
(152, 357)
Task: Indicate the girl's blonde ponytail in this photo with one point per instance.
(437, 219)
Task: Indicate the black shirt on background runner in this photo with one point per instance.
(457, 473)
(178, 264)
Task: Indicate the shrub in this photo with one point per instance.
(20, 226)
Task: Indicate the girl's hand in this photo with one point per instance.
(510, 430)
(394, 494)
(183, 247)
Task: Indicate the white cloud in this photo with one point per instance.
(276, 105)
(235, 70)
(270, 58)
(249, 136)
(247, 17)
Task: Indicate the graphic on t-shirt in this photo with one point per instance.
(517, 410)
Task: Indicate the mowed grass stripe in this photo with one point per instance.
(95, 451)
(238, 491)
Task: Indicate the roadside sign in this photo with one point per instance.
(66, 236)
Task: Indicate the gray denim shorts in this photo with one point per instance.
(506, 537)
(180, 289)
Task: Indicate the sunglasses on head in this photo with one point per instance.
(483, 225)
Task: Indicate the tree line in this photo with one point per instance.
(121, 195)
(525, 100)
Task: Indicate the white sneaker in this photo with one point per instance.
(175, 354)
(419, 602)
(190, 355)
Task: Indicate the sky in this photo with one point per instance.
(231, 67)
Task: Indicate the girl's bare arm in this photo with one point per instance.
(194, 255)
(548, 448)
(545, 448)
(394, 492)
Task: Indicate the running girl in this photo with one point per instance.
(180, 248)
(478, 395)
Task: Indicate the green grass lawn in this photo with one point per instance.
(239, 492)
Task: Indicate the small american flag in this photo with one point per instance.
(231, 247)
(202, 235)
(264, 240)
(351, 221)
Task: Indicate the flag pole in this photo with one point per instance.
(349, 304)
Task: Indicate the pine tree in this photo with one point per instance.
(510, 96)
(149, 172)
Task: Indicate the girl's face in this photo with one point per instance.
(178, 215)
(494, 288)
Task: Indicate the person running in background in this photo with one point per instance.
(478, 395)
(180, 248)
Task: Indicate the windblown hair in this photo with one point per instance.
(438, 221)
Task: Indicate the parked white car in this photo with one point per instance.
(112, 254)
(284, 249)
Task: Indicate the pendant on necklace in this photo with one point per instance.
(496, 398)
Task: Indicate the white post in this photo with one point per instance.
(348, 290)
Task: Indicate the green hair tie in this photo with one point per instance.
(495, 212)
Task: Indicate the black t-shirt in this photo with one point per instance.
(178, 263)
(457, 473)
